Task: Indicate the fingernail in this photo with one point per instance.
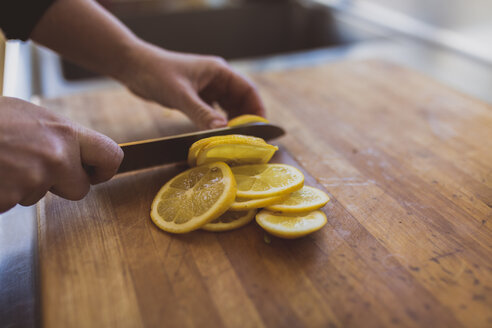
(217, 124)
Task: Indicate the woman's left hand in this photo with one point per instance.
(192, 84)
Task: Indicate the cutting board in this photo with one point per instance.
(406, 161)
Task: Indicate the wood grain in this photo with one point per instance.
(408, 166)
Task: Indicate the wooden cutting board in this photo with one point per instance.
(406, 161)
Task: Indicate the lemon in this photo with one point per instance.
(242, 204)
(236, 151)
(198, 145)
(303, 200)
(194, 198)
(245, 119)
(230, 220)
(266, 180)
(293, 225)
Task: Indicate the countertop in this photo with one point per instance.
(462, 73)
(406, 163)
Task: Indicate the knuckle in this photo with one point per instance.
(27, 202)
(202, 114)
(218, 61)
(193, 109)
(4, 207)
(34, 178)
(83, 191)
(57, 158)
(251, 94)
(8, 201)
(77, 193)
(55, 153)
(31, 200)
(67, 129)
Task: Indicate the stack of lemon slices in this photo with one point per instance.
(230, 183)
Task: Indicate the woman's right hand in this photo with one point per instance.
(41, 152)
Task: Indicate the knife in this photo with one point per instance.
(153, 152)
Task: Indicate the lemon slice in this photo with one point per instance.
(242, 204)
(245, 119)
(230, 220)
(291, 225)
(236, 151)
(198, 145)
(303, 200)
(193, 198)
(266, 180)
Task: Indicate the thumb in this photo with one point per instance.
(203, 115)
(100, 155)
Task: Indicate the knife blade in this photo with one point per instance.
(152, 152)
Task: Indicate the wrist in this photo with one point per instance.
(133, 64)
(138, 68)
(126, 61)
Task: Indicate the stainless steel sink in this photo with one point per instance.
(245, 30)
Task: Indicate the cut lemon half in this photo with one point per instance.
(242, 204)
(236, 151)
(245, 119)
(302, 200)
(292, 225)
(194, 198)
(198, 145)
(266, 180)
(230, 220)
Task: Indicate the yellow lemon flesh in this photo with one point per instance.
(194, 198)
(198, 145)
(303, 200)
(290, 226)
(266, 180)
(238, 151)
(245, 119)
(230, 220)
(242, 204)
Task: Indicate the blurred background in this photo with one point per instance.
(442, 38)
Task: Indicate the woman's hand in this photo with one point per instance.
(40, 152)
(85, 33)
(192, 84)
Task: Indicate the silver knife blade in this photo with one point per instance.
(152, 152)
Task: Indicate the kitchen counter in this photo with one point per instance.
(466, 75)
(463, 74)
(405, 160)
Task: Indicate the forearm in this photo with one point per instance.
(85, 33)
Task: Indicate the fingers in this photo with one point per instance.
(28, 190)
(193, 83)
(218, 83)
(24, 185)
(234, 93)
(34, 197)
(72, 184)
(40, 151)
(8, 200)
(242, 97)
(96, 160)
(100, 154)
(203, 115)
